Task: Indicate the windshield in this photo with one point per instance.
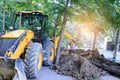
(28, 22)
(34, 21)
(31, 22)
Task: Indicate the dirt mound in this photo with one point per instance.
(85, 65)
(77, 66)
(6, 74)
(88, 54)
(7, 71)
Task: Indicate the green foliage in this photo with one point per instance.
(104, 12)
(111, 11)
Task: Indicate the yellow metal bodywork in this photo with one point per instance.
(56, 39)
(40, 61)
(29, 12)
(66, 35)
(22, 44)
(53, 54)
(13, 34)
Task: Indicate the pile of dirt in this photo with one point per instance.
(85, 65)
(7, 70)
(77, 66)
(88, 54)
(6, 74)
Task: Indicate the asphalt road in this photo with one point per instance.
(45, 73)
(48, 74)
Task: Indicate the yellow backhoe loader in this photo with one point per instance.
(29, 41)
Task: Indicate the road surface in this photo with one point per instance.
(47, 74)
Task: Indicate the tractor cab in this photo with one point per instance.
(35, 21)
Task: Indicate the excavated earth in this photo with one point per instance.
(79, 64)
(7, 70)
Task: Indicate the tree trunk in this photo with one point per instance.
(3, 28)
(56, 25)
(61, 33)
(116, 44)
(94, 41)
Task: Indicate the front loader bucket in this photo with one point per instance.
(7, 70)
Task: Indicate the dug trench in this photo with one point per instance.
(85, 65)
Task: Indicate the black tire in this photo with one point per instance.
(32, 59)
(47, 61)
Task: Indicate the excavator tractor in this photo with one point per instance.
(29, 40)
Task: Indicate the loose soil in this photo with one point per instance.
(80, 64)
(7, 70)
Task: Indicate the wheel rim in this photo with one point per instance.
(39, 61)
(52, 54)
